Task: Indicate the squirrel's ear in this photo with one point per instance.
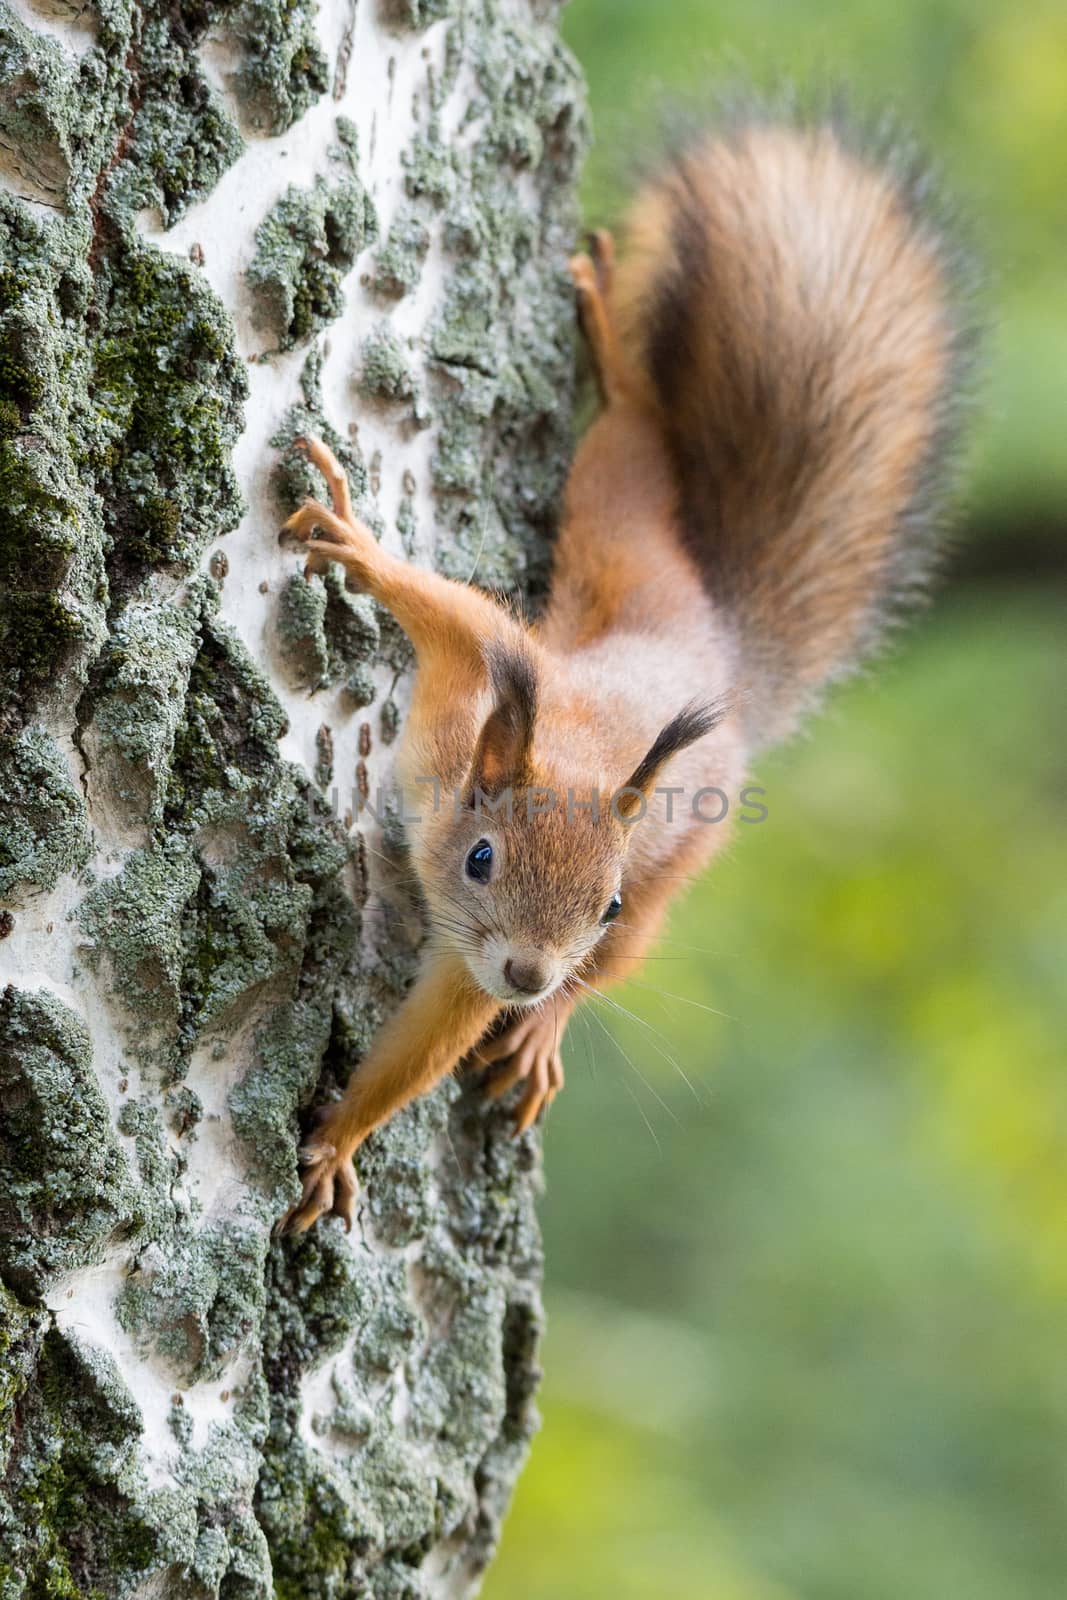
(691, 724)
(502, 755)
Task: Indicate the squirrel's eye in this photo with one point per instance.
(614, 907)
(480, 861)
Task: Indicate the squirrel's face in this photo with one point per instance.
(525, 898)
(525, 877)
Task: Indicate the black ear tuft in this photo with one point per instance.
(502, 757)
(513, 677)
(692, 723)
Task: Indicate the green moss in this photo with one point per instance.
(353, 627)
(185, 1110)
(73, 1501)
(360, 688)
(65, 117)
(43, 825)
(182, 139)
(157, 1168)
(138, 698)
(389, 719)
(323, 1520)
(395, 650)
(64, 1186)
(468, 1355)
(317, 846)
(51, 566)
(290, 1047)
(323, 757)
(120, 400)
(242, 929)
(461, 333)
(386, 373)
(225, 746)
(244, 924)
(168, 388)
(22, 1327)
(305, 246)
(328, 635)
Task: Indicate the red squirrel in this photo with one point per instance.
(779, 354)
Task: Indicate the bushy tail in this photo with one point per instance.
(803, 325)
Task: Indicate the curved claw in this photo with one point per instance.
(309, 1154)
(545, 1080)
(307, 517)
(330, 1189)
(302, 525)
(529, 1052)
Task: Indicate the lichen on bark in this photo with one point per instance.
(188, 1407)
(284, 70)
(307, 244)
(64, 1186)
(43, 822)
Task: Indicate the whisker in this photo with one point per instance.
(451, 1146)
(481, 544)
(632, 1064)
(397, 863)
(644, 1119)
(657, 1041)
(677, 944)
(465, 910)
(683, 999)
(590, 1054)
(453, 925)
(644, 958)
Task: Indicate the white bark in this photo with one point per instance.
(185, 1408)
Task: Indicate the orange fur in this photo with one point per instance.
(772, 352)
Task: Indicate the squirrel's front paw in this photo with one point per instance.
(529, 1047)
(329, 1185)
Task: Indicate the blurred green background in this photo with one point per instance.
(808, 1310)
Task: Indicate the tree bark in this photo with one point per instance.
(221, 225)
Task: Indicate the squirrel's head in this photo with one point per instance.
(527, 876)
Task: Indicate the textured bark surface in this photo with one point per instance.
(223, 223)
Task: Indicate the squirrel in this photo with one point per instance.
(780, 354)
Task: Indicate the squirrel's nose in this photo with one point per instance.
(524, 975)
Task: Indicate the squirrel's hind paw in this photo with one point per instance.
(601, 246)
(305, 520)
(321, 456)
(327, 537)
(583, 274)
(592, 276)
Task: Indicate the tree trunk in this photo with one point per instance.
(223, 224)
